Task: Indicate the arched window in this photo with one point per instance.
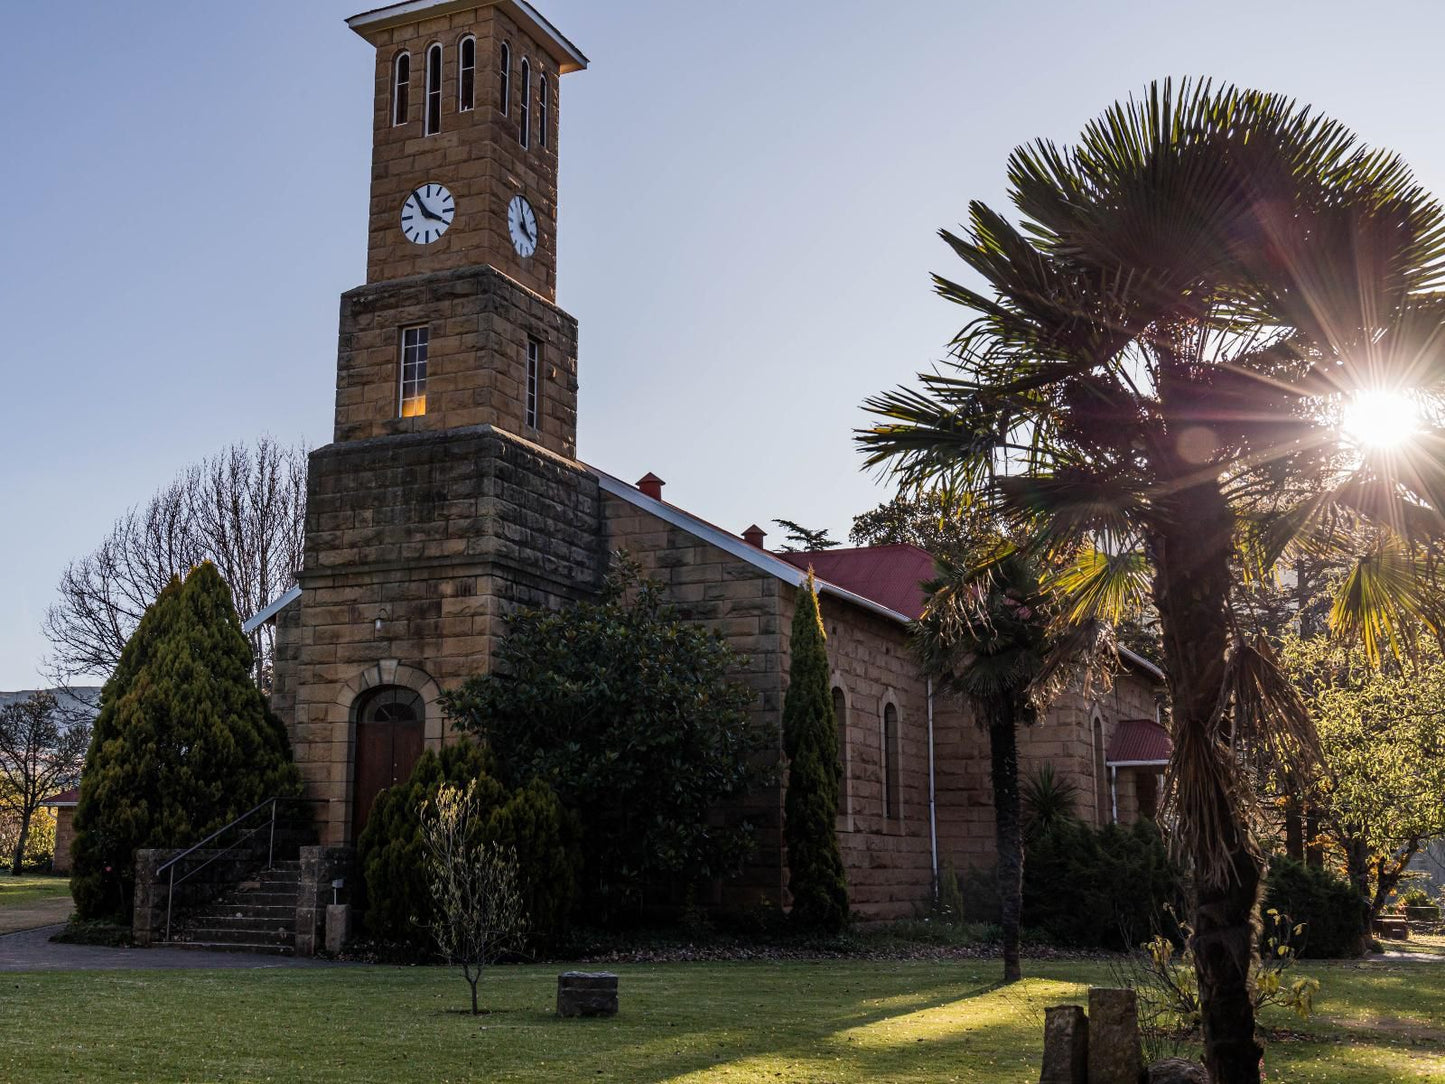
(391, 704)
(524, 132)
(434, 90)
(504, 100)
(1101, 779)
(892, 798)
(466, 74)
(840, 716)
(542, 109)
(401, 89)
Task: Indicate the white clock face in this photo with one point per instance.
(427, 213)
(522, 225)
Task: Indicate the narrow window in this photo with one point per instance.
(401, 89)
(525, 131)
(840, 716)
(504, 102)
(534, 383)
(467, 74)
(434, 90)
(413, 371)
(542, 110)
(891, 797)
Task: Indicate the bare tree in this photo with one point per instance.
(243, 509)
(474, 885)
(42, 748)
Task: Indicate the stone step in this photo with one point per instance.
(269, 949)
(246, 909)
(243, 921)
(227, 935)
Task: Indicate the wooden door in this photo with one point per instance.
(386, 752)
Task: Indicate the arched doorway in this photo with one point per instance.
(390, 721)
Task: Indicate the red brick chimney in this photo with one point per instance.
(754, 536)
(651, 485)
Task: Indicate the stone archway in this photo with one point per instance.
(392, 714)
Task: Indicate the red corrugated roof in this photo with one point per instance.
(892, 576)
(65, 797)
(1139, 741)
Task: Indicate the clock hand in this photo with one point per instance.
(423, 208)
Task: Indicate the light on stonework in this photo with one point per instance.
(1380, 419)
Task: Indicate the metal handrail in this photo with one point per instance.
(171, 863)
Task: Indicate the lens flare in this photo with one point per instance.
(1380, 419)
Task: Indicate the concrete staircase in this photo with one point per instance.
(258, 915)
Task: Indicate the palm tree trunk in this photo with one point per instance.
(1192, 541)
(1004, 752)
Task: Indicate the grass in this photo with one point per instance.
(31, 888)
(835, 1021)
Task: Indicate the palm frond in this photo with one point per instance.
(1101, 586)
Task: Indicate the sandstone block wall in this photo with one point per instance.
(416, 547)
(478, 324)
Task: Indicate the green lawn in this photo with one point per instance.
(833, 1021)
(31, 888)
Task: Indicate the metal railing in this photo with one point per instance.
(245, 835)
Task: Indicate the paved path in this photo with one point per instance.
(32, 950)
(42, 912)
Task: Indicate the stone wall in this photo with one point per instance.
(416, 547)
(64, 837)
(479, 322)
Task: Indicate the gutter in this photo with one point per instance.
(932, 796)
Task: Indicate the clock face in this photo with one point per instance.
(427, 213)
(522, 225)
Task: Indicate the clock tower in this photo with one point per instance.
(457, 324)
(451, 493)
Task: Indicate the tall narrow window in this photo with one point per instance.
(434, 90)
(504, 88)
(534, 383)
(542, 110)
(840, 716)
(892, 799)
(524, 132)
(413, 371)
(401, 89)
(466, 74)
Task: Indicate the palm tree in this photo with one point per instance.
(987, 634)
(1153, 381)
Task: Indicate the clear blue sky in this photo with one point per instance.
(750, 194)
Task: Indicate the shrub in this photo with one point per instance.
(636, 719)
(1104, 888)
(530, 820)
(1326, 904)
(184, 742)
(1416, 897)
(810, 738)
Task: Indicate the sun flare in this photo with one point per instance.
(1380, 419)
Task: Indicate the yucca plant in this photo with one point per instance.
(1155, 381)
(1048, 799)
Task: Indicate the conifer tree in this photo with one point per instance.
(184, 742)
(815, 865)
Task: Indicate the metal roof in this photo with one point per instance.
(1138, 743)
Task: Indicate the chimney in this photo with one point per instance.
(754, 536)
(651, 485)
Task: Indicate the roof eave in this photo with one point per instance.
(568, 57)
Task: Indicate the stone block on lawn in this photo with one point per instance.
(1066, 1046)
(1115, 1053)
(1177, 1071)
(586, 993)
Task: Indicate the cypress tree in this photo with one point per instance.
(184, 742)
(815, 864)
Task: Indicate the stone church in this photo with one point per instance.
(452, 492)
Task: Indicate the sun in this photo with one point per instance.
(1380, 420)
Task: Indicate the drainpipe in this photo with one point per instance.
(1114, 790)
(932, 796)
